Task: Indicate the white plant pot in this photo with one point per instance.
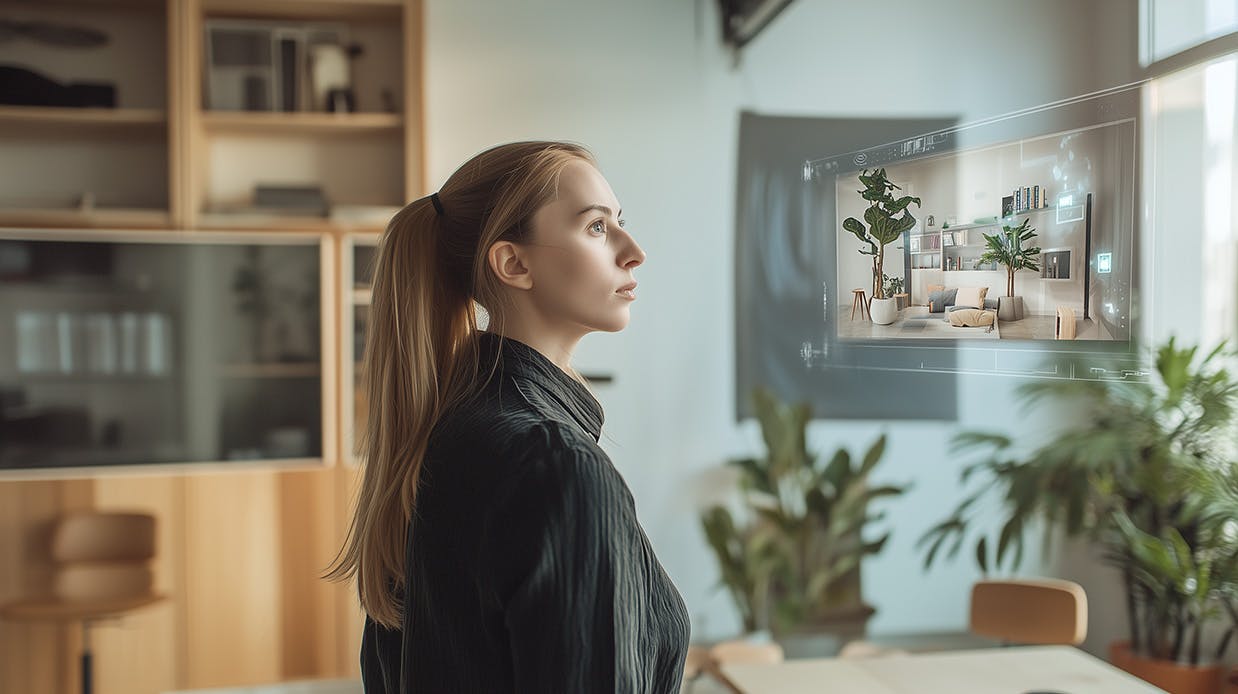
(883, 311)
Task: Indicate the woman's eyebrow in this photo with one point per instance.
(601, 208)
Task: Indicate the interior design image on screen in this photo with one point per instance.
(1021, 228)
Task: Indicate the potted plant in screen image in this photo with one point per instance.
(1151, 483)
(1007, 248)
(793, 568)
(888, 218)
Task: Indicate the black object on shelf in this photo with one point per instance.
(307, 200)
(289, 50)
(53, 33)
(341, 101)
(20, 86)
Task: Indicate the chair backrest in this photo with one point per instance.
(696, 662)
(737, 652)
(103, 556)
(1030, 611)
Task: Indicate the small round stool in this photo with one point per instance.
(858, 300)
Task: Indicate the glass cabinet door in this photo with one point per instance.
(157, 348)
(359, 253)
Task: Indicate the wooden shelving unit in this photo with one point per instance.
(249, 539)
(97, 218)
(354, 10)
(181, 158)
(102, 119)
(247, 221)
(301, 123)
(356, 250)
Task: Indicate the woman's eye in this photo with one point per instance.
(599, 225)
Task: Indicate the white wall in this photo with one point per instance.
(646, 85)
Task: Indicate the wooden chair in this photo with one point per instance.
(102, 573)
(738, 652)
(858, 301)
(697, 663)
(1029, 611)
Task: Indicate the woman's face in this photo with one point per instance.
(580, 255)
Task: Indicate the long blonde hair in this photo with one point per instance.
(420, 356)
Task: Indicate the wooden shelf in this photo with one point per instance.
(93, 118)
(277, 222)
(356, 10)
(1036, 210)
(107, 5)
(281, 123)
(53, 608)
(117, 218)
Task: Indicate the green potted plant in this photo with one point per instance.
(893, 287)
(888, 218)
(794, 568)
(1151, 481)
(1007, 248)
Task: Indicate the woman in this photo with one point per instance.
(495, 546)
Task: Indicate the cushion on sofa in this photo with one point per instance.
(970, 317)
(940, 299)
(971, 296)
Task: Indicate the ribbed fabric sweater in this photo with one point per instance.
(527, 570)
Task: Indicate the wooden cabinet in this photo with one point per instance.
(240, 553)
(358, 271)
(164, 157)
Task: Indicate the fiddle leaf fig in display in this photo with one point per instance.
(887, 217)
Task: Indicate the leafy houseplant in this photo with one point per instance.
(1152, 482)
(893, 285)
(1007, 248)
(797, 563)
(888, 218)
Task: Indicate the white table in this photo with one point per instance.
(1015, 670)
(322, 686)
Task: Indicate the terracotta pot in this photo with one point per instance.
(1168, 675)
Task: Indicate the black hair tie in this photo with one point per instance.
(438, 206)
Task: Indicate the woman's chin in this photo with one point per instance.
(616, 323)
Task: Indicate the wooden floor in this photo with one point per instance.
(1031, 327)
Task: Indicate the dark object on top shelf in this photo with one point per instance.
(22, 87)
(52, 33)
(307, 200)
(341, 101)
(60, 261)
(742, 20)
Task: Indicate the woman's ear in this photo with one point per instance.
(507, 261)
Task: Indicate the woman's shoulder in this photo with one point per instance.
(559, 458)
